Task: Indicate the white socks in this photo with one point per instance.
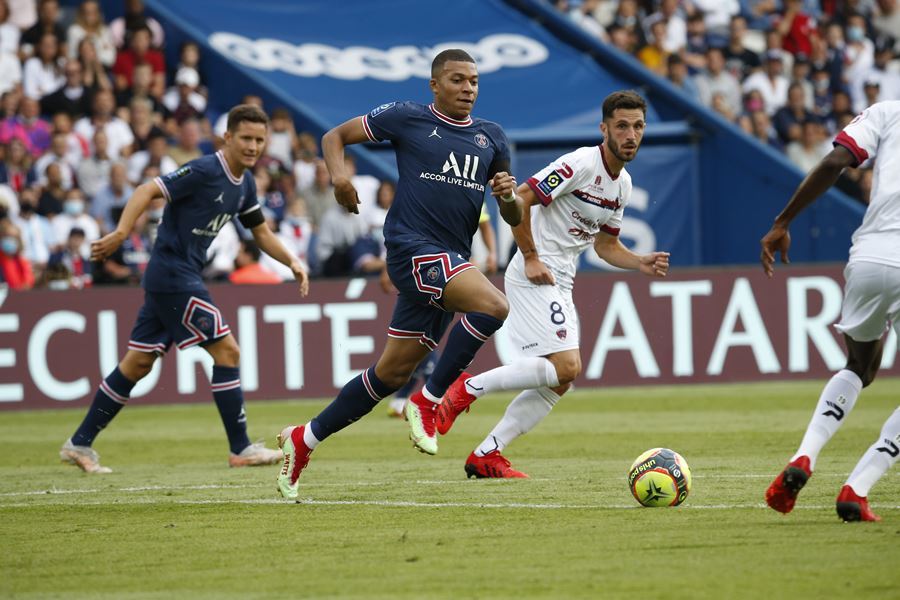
(835, 403)
(523, 374)
(880, 457)
(308, 438)
(523, 413)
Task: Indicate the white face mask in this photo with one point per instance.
(73, 207)
(9, 245)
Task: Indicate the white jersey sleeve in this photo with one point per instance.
(562, 176)
(863, 135)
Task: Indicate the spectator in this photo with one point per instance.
(35, 230)
(307, 151)
(127, 264)
(16, 171)
(872, 92)
(771, 83)
(789, 119)
(739, 60)
(582, 15)
(366, 185)
(182, 101)
(37, 130)
(189, 56)
(882, 73)
(270, 197)
(9, 32)
(70, 258)
(676, 26)
(90, 25)
(15, 269)
(22, 13)
(222, 122)
(886, 19)
(188, 147)
(48, 22)
(140, 51)
(859, 56)
(796, 28)
(154, 155)
(221, 254)
(111, 196)
(134, 19)
(800, 75)
(821, 81)
(247, 269)
(763, 130)
(295, 232)
(320, 195)
(93, 172)
(118, 133)
(56, 155)
(282, 137)
(678, 74)
(75, 215)
(72, 98)
(42, 74)
(697, 43)
(717, 16)
(716, 80)
(339, 232)
(809, 149)
(721, 105)
(759, 13)
(10, 68)
(627, 16)
(654, 55)
(623, 39)
(142, 123)
(52, 195)
(94, 73)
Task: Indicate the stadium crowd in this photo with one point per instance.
(90, 108)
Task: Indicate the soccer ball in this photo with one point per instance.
(660, 477)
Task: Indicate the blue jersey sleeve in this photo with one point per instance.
(387, 121)
(182, 182)
(250, 212)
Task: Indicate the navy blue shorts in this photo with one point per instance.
(420, 272)
(186, 318)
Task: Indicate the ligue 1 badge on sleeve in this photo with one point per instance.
(481, 140)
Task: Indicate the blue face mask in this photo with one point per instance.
(9, 245)
(855, 34)
(73, 207)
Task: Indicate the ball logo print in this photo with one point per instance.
(660, 477)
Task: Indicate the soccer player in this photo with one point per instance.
(575, 202)
(445, 159)
(871, 303)
(202, 196)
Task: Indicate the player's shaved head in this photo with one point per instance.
(453, 54)
(626, 99)
(246, 112)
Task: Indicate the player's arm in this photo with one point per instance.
(136, 205)
(613, 251)
(269, 243)
(333, 144)
(535, 270)
(490, 242)
(503, 188)
(823, 176)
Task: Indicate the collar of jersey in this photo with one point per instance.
(450, 120)
(235, 180)
(606, 166)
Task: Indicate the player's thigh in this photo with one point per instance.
(542, 320)
(870, 300)
(399, 359)
(471, 291)
(224, 351)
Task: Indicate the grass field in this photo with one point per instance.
(380, 520)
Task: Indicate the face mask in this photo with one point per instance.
(821, 84)
(73, 207)
(295, 220)
(855, 34)
(9, 245)
(155, 214)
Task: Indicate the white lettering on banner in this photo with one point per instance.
(38, 341)
(681, 293)
(186, 368)
(343, 345)
(621, 309)
(292, 316)
(9, 392)
(399, 63)
(742, 305)
(108, 335)
(816, 327)
(246, 321)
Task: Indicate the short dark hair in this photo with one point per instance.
(452, 54)
(246, 112)
(626, 99)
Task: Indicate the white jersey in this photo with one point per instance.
(579, 198)
(876, 132)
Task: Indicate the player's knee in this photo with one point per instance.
(137, 365)
(561, 389)
(497, 307)
(567, 370)
(226, 352)
(396, 377)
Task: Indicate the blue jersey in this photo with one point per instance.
(445, 165)
(202, 196)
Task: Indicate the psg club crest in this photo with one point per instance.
(481, 140)
(204, 323)
(432, 274)
(561, 333)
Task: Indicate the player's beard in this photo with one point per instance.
(614, 148)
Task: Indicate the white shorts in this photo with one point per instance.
(871, 301)
(542, 319)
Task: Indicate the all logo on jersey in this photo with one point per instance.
(469, 167)
(377, 111)
(213, 227)
(481, 140)
(461, 171)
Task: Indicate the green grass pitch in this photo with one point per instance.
(380, 520)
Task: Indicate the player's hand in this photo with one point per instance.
(302, 278)
(538, 273)
(655, 264)
(777, 240)
(346, 195)
(385, 281)
(102, 248)
(503, 185)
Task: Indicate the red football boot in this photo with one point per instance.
(456, 400)
(851, 507)
(491, 465)
(782, 494)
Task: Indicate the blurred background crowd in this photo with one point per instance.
(91, 108)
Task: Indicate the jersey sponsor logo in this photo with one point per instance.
(377, 111)
(494, 52)
(435, 134)
(177, 174)
(597, 200)
(214, 225)
(470, 166)
(481, 140)
(550, 182)
(580, 234)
